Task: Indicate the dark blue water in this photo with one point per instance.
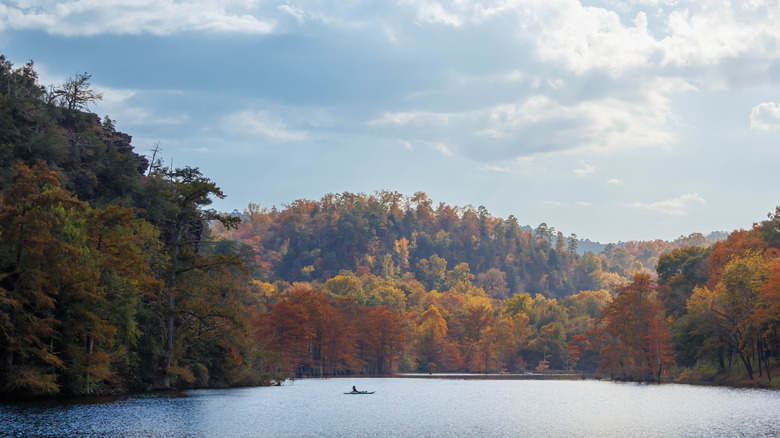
(411, 408)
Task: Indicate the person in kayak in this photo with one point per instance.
(354, 389)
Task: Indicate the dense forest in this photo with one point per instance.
(116, 276)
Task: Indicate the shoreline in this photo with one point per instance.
(723, 381)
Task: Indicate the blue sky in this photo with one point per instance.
(614, 120)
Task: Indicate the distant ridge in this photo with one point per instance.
(586, 245)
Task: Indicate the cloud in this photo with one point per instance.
(261, 123)
(412, 118)
(297, 13)
(707, 33)
(615, 181)
(433, 12)
(674, 207)
(599, 125)
(443, 149)
(585, 169)
(499, 169)
(540, 123)
(580, 37)
(587, 38)
(765, 117)
(137, 17)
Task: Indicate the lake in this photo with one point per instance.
(411, 407)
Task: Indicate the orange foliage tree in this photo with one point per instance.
(728, 311)
(638, 347)
(431, 339)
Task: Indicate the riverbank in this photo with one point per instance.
(704, 378)
(688, 377)
(495, 376)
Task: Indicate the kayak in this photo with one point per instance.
(360, 392)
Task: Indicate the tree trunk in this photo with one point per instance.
(658, 350)
(390, 359)
(90, 345)
(746, 361)
(169, 317)
(9, 343)
(766, 360)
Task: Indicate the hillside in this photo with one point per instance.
(393, 235)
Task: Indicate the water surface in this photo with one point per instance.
(411, 407)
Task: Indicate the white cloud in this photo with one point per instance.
(135, 17)
(514, 76)
(600, 125)
(541, 124)
(443, 149)
(585, 169)
(555, 83)
(499, 169)
(583, 203)
(115, 96)
(674, 207)
(297, 13)
(261, 123)
(586, 38)
(615, 181)
(433, 12)
(765, 117)
(617, 38)
(624, 39)
(414, 118)
(706, 34)
(122, 106)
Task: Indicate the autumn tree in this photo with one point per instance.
(431, 335)
(35, 257)
(98, 307)
(477, 344)
(548, 345)
(767, 313)
(432, 271)
(493, 282)
(511, 333)
(388, 336)
(345, 286)
(727, 310)
(738, 243)
(639, 346)
(382, 292)
(190, 193)
(679, 272)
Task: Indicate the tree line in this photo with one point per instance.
(109, 281)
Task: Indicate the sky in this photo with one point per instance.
(613, 120)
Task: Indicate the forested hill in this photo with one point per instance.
(392, 235)
(97, 245)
